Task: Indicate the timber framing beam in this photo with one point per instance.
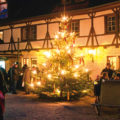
(92, 34)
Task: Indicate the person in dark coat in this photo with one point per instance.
(3, 90)
(14, 76)
(108, 71)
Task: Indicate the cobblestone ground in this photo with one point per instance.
(22, 107)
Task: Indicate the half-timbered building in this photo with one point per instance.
(98, 35)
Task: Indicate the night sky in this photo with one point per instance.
(28, 8)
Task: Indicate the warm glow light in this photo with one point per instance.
(63, 34)
(67, 47)
(75, 75)
(49, 76)
(85, 91)
(95, 82)
(69, 51)
(56, 36)
(34, 72)
(38, 83)
(63, 72)
(58, 51)
(86, 70)
(47, 54)
(72, 34)
(76, 66)
(57, 91)
(64, 18)
(93, 52)
(44, 64)
(32, 85)
(81, 54)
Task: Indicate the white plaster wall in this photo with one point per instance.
(85, 27)
(4, 47)
(41, 31)
(99, 25)
(7, 35)
(53, 29)
(106, 39)
(16, 34)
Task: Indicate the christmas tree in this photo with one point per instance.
(63, 75)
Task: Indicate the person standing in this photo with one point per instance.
(26, 78)
(108, 70)
(15, 77)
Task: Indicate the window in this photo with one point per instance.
(26, 61)
(1, 37)
(34, 62)
(75, 26)
(3, 9)
(28, 34)
(110, 24)
(113, 61)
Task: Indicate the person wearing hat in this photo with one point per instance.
(108, 70)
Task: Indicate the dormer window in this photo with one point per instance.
(3, 9)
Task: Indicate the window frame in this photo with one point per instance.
(106, 23)
(77, 32)
(24, 40)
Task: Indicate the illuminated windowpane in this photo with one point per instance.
(113, 61)
(1, 35)
(2, 64)
(34, 62)
(26, 61)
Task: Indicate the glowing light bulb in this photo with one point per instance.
(32, 85)
(49, 76)
(34, 72)
(63, 72)
(86, 70)
(64, 18)
(63, 34)
(76, 66)
(58, 51)
(38, 83)
(57, 91)
(47, 54)
(75, 75)
(56, 36)
(69, 51)
(44, 64)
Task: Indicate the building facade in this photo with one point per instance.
(98, 37)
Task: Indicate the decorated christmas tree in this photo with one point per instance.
(63, 74)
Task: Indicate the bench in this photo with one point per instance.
(109, 95)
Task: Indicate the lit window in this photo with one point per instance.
(1, 37)
(110, 24)
(113, 61)
(26, 61)
(28, 34)
(34, 62)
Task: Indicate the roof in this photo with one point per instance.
(20, 10)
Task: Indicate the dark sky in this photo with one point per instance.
(27, 8)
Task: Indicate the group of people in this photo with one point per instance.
(8, 82)
(106, 74)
